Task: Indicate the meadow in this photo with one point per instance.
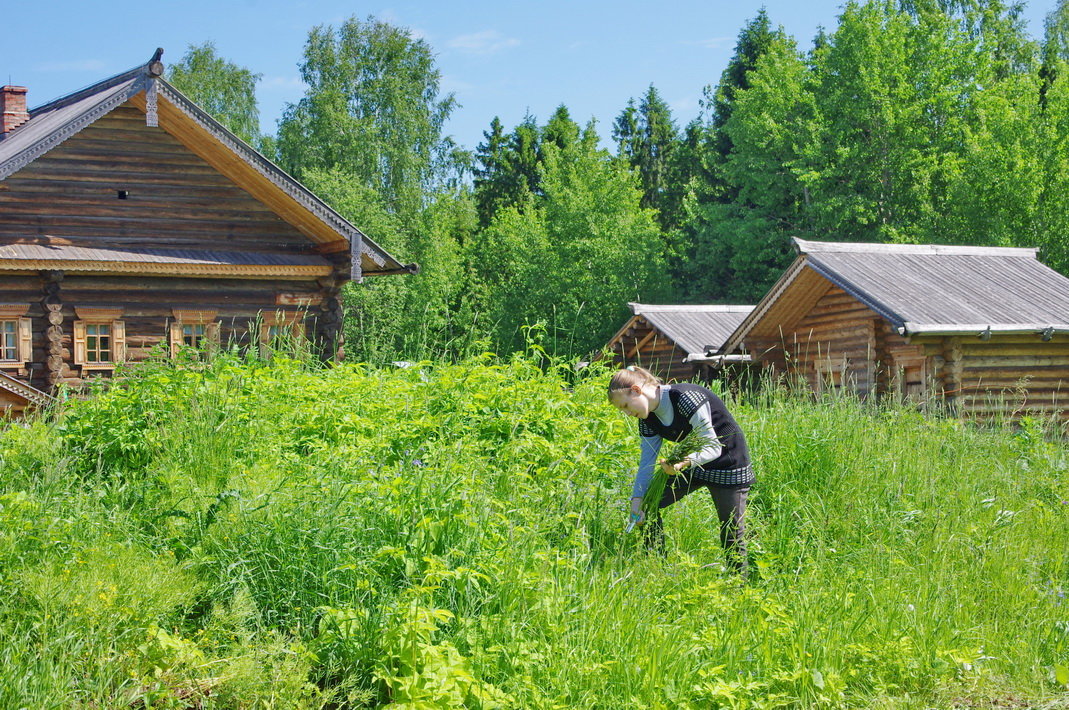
(250, 534)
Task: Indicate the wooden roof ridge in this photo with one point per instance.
(87, 91)
(805, 246)
(54, 122)
(27, 392)
(638, 308)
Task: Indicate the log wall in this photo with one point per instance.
(1005, 377)
(841, 344)
(121, 183)
(148, 306)
(174, 199)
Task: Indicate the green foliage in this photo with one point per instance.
(755, 39)
(911, 122)
(647, 138)
(415, 315)
(225, 90)
(449, 535)
(573, 256)
(508, 171)
(372, 110)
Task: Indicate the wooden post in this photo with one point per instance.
(56, 369)
(873, 358)
(329, 327)
(952, 373)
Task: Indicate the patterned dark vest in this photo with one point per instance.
(687, 399)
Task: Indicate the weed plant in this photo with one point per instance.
(269, 533)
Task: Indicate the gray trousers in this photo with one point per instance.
(730, 502)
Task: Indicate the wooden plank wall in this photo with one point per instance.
(1006, 376)
(836, 334)
(175, 199)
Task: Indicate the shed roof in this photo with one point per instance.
(931, 289)
(694, 329)
(31, 395)
(52, 123)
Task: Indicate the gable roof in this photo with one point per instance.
(927, 289)
(164, 105)
(697, 330)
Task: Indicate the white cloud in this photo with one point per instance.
(486, 42)
(685, 105)
(81, 65)
(282, 83)
(451, 84)
(713, 42)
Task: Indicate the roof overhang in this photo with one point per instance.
(34, 255)
(983, 329)
(140, 268)
(734, 341)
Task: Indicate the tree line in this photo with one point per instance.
(923, 121)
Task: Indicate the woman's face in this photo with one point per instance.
(635, 401)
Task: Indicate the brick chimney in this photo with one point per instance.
(13, 111)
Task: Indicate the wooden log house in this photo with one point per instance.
(981, 330)
(131, 220)
(677, 342)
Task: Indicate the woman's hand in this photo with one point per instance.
(637, 514)
(673, 468)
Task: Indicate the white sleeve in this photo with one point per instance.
(702, 422)
(651, 446)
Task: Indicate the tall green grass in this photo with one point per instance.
(273, 534)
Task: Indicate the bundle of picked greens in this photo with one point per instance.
(679, 450)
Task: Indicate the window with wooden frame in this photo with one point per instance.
(194, 329)
(99, 338)
(831, 375)
(16, 337)
(280, 328)
(908, 378)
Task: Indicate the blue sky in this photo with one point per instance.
(499, 58)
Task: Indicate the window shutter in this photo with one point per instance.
(25, 339)
(265, 333)
(297, 327)
(118, 336)
(176, 337)
(79, 342)
(213, 335)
